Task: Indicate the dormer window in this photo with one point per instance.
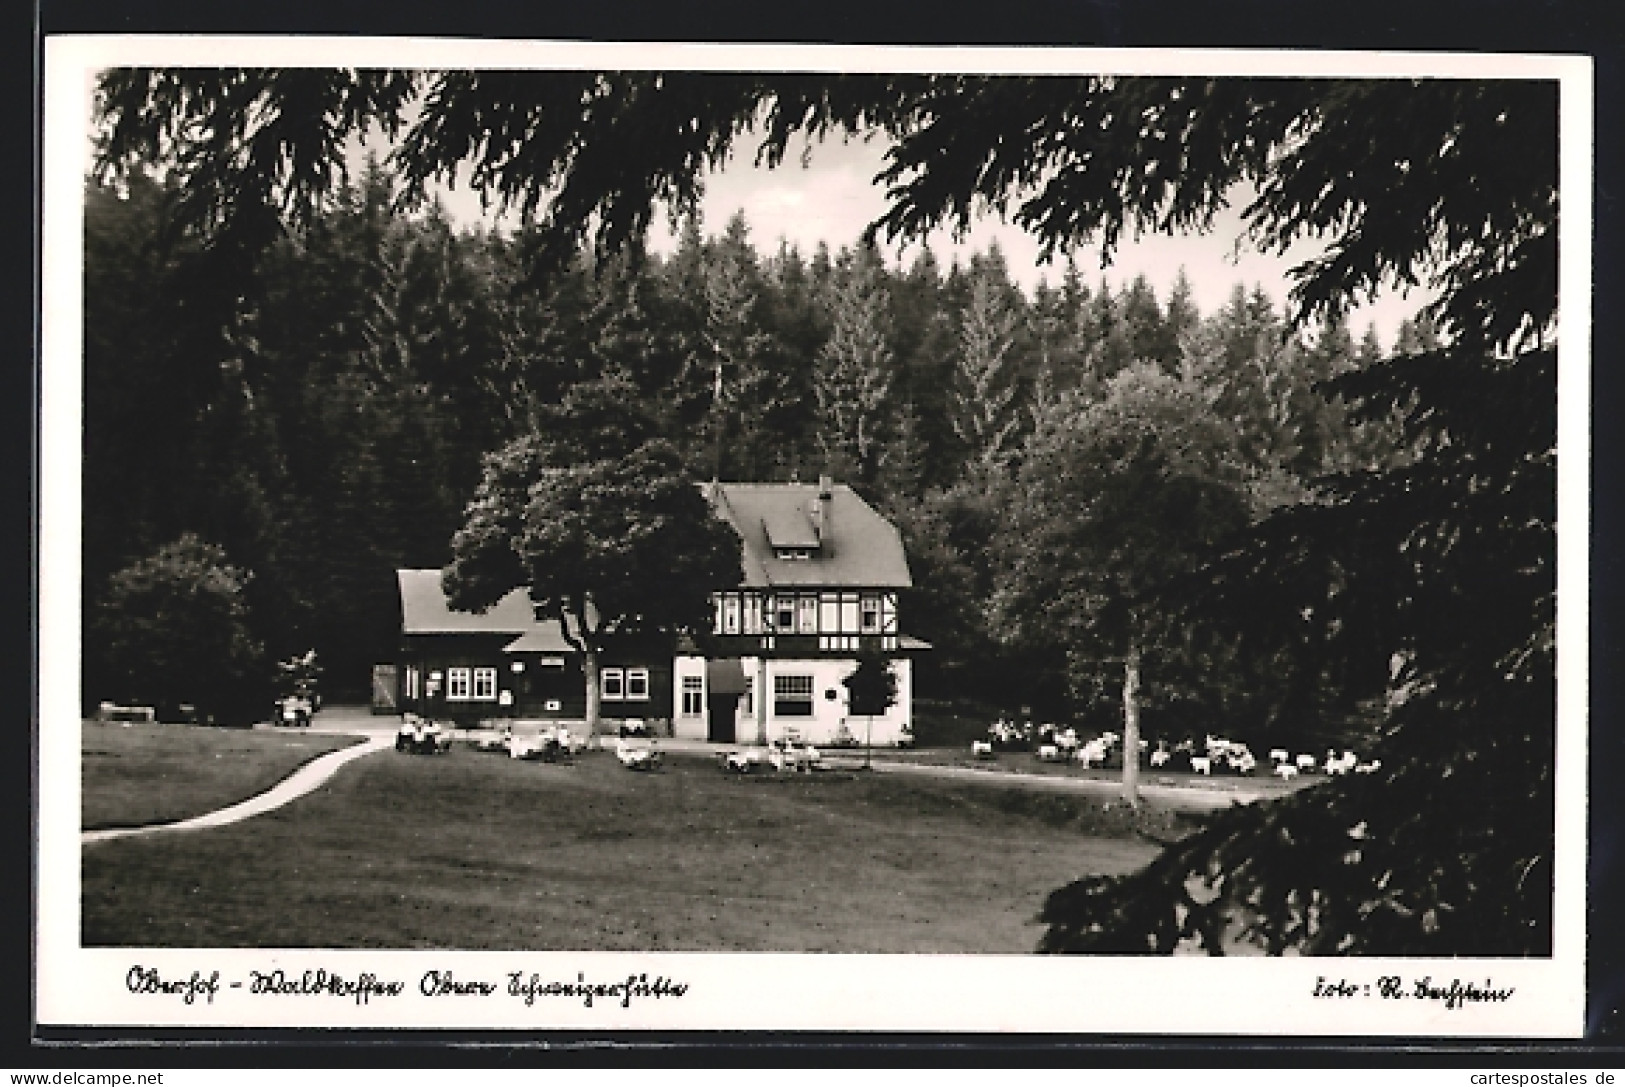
(791, 534)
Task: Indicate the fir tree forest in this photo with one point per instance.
(324, 422)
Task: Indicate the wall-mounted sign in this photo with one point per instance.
(518, 666)
(551, 662)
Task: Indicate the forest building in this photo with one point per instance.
(822, 570)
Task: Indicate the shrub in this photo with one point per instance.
(173, 628)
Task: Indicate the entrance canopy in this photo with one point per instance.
(725, 677)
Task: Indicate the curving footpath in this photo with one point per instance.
(306, 779)
(1195, 798)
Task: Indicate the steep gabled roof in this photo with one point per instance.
(857, 548)
(546, 638)
(861, 549)
(424, 611)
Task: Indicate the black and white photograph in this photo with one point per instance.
(638, 537)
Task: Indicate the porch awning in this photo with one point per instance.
(546, 640)
(725, 676)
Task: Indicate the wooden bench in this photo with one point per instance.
(107, 711)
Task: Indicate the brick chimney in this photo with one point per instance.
(825, 516)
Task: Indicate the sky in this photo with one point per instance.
(834, 197)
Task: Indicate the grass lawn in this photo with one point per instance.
(481, 852)
(160, 773)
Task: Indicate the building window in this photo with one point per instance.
(485, 684)
(753, 614)
(829, 619)
(792, 696)
(457, 684)
(412, 681)
(870, 623)
(785, 609)
(637, 683)
(693, 696)
(807, 615)
(612, 684)
(730, 614)
(849, 613)
(746, 705)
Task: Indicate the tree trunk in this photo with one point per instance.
(761, 695)
(589, 665)
(1131, 727)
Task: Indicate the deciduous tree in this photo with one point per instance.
(1115, 498)
(871, 690)
(174, 629)
(617, 544)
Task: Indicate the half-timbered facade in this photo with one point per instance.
(821, 575)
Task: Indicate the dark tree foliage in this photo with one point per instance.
(871, 688)
(1438, 576)
(1443, 572)
(1074, 160)
(175, 630)
(1115, 498)
(607, 546)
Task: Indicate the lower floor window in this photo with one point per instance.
(693, 696)
(471, 684)
(792, 696)
(624, 684)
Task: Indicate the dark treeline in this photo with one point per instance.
(321, 417)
